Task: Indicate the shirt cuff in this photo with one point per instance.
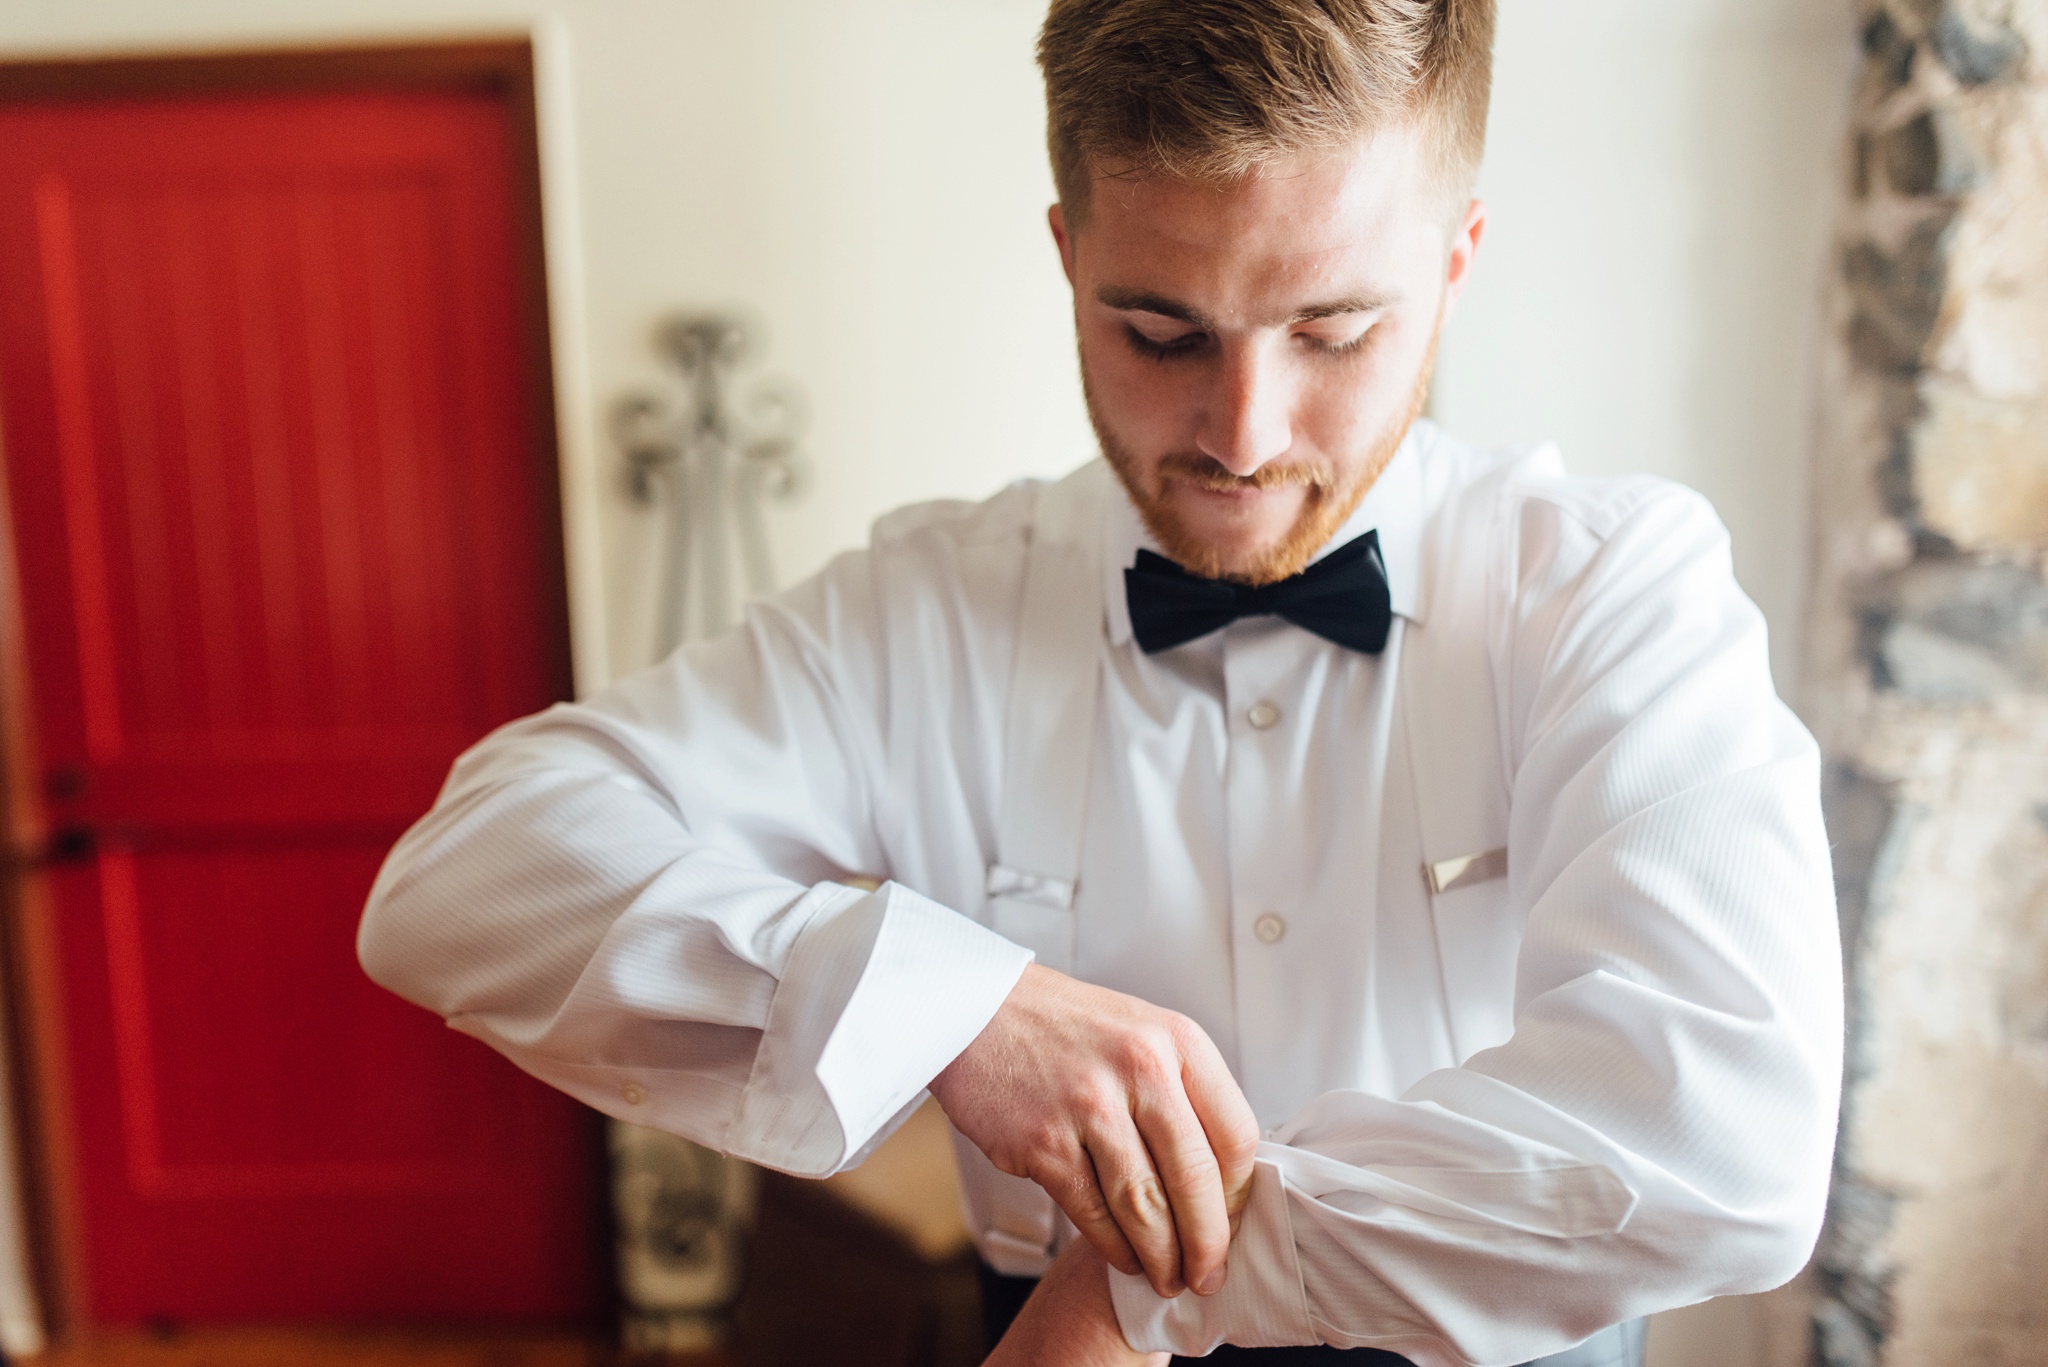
(880, 992)
(1261, 1304)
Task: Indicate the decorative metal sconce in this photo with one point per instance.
(718, 465)
(684, 1211)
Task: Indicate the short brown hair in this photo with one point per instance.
(1211, 90)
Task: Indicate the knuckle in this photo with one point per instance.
(1191, 1165)
(1149, 1056)
(1046, 1137)
(1141, 1197)
(1084, 1203)
(1010, 1161)
(1100, 1109)
(1059, 1172)
(1126, 1051)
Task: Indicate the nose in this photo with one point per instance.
(1246, 422)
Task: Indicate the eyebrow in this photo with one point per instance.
(1144, 301)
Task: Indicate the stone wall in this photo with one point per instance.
(1927, 678)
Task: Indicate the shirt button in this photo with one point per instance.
(1263, 716)
(634, 1094)
(1269, 928)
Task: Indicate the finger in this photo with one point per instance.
(1193, 1179)
(1137, 1199)
(1225, 1116)
(1074, 1189)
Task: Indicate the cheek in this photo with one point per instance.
(1351, 406)
(1138, 397)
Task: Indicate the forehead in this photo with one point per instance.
(1366, 214)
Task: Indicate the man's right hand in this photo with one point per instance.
(1124, 1113)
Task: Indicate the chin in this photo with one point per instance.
(1235, 556)
(1236, 544)
(1233, 528)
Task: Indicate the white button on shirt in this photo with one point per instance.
(1499, 1118)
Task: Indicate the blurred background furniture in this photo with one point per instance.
(870, 1268)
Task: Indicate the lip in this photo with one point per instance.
(1244, 497)
(1190, 486)
(1229, 495)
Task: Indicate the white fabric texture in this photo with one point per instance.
(1497, 1119)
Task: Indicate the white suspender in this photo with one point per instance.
(1048, 741)
(1450, 705)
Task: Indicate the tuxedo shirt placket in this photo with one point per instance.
(1275, 834)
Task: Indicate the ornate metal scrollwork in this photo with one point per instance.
(715, 463)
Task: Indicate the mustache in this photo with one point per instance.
(1205, 472)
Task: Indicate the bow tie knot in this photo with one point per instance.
(1342, 598)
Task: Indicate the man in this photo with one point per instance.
(1366, 883)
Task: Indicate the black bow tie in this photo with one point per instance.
(1341, 598)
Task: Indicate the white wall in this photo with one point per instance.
(1662, 178)
(867, 175)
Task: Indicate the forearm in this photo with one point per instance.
(557, 905)
(1418, 1263)
(1504, 1210)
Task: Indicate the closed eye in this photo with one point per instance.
(1164, 348)
(1337, 345)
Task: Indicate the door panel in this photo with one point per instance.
(284, 548)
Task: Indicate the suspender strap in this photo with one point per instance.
(1451, 706)
(1049, 732)
(1048, 742)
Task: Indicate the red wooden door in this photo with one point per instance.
(284, 548)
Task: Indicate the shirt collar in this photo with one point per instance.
(1393, 507)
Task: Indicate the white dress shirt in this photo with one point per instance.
(1496, 1120)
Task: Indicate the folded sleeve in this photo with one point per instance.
(638, 899)
(1658, 1129)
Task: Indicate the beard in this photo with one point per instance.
(1332, 491)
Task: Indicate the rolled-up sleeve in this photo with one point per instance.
(637, 899)
(1658, 1129)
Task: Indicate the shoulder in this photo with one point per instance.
(933, 572)
(1505, 485)
(948, 526)
(1604, 589)
(999, 525)
(1539, 527)
(933, 542)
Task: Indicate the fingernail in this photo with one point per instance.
(1211, 1284)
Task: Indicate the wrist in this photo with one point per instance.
(961, 1076)
(1070, 1320)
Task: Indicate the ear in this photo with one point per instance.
(1056, 219)
(1464, 250)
